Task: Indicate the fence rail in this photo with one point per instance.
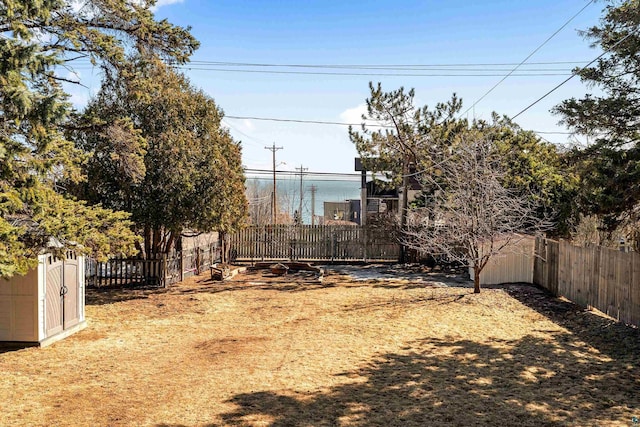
(161, 271)
(126, 271)
(598, 277)
(313, 243)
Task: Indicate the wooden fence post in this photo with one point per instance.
(334, 244)
(164, 272)
(181, 256)
(365, 242)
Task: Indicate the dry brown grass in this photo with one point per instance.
(291, 352)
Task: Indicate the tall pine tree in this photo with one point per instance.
(160, 153)
(36, 159)
(610, 166)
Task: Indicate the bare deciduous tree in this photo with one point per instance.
(471, 216)
(260, 201)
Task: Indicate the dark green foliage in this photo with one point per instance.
(406, 132)
(158, 151)
(535, 169)
(36, 158)
(415, 140)
(609, 167)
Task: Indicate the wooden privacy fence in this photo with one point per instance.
(127, 272)
(513, 264)
(161, 271)
(597, 277)
(326, 243)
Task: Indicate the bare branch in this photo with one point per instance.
(471, 216)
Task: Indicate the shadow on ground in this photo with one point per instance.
(203, 284)
(389, 277)
(6, 347)
(404, 277)
(529, 382)
(585, 376)
(612, 338)
(258, 280)
(110, 295)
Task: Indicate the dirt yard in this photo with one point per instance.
(356, 350)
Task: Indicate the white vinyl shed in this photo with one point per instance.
(46, 304)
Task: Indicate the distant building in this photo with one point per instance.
(382, 200)
(348, 210)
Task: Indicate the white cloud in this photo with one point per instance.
(354, 116)
(83, 6)
(161, 3)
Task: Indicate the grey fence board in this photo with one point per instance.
(313, 243)
(602, 278)
(160, 271)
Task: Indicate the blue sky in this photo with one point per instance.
(367, 33)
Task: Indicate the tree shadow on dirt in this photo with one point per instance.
(218, 287)
(533, 381)
(612, 338)
(111, 295)
(405, 277)
(449, 297)
(298, 282)
(428, 281)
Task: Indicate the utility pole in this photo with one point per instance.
(313, 204)
(302, 170)
(274, 201)
(363, 191)
(363, 198)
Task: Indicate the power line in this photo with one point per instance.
(442, 70)
(552, 132)
(377, 66)
(358, 66)
(296, 173)
(452, 67)
(323, 122)
(525, 59)
(575, 73)
(327, 73)
(289, 177)
(316, 122)
(356, 183)
(255, 141)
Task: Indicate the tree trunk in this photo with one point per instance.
(147, 241)
(157, 238)
(405, 208)
(224, 247)
(168, 244)
(476, 281)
